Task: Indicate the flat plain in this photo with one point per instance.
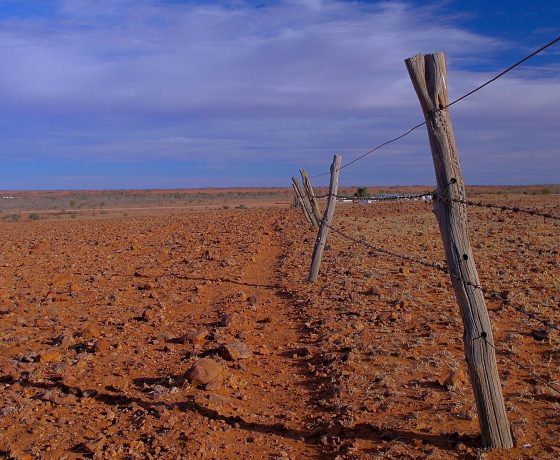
(104, 315)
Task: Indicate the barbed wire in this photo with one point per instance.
(514, 209)
(435, 196)
(464, 96)
(484, 336)
(445, 269)
(525, 368)
(493, 295)
(391, 197)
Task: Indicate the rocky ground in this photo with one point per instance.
(197, 336)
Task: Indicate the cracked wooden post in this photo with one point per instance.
(429, 77)
(310, 194)
(304, 203)
(326, 221)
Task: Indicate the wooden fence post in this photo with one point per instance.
(305, 203)
(429, 77)
(295, 202)
(310, 194)
(326, 221)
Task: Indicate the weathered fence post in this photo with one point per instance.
(295, 202)
(305, 203)
(310, 194)
(429, 77)
(326, 221)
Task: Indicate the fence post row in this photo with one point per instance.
(429, 77)
(310, 194)
(306, 205)
(326, 221)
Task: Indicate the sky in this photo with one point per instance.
(104, 94)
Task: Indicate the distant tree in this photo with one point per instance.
(362, 192)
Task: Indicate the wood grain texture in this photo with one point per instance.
(326, 221)
(429, 77)
(310, 194)
(306, 207)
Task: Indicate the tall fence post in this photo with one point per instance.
(326, 221)
(429, 77)
(310, 194)
(305, 203)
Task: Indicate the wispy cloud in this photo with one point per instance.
(291, 81)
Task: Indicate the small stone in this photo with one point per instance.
(195, 338)
(50, 357)
(206, 371)
(540, 335)
(225, 320)
(147, 315)
(90, 331)
(518, 434)
(101, 346)
(451, 381)
(235, 351)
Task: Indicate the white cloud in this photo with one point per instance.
(298, 78)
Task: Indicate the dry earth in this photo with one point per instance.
(102, 320)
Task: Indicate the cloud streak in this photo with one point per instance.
(291, 82)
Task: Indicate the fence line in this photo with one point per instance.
(433, 195)
(464, 96)
(491, 295)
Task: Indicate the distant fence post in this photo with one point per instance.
(295, 201)
(326, 221)
(310, 194)
(305, 203)
(429, 77)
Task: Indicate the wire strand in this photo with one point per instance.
(464, 96)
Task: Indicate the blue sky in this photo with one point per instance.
(163, 94)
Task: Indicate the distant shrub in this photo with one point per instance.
(15, 217)
(241, 206)
(361, 192)
(546, 191)
(34, 216)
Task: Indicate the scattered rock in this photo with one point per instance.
(195, 338)
(50, 357)
(147, 315)
(235, 351)
(90, 331)
(206, 372)
(225, 320)
(518, 434)
(101, 346)
(540, 335)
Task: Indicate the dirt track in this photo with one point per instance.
(101, 320)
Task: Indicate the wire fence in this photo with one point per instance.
(489, 294)
(435, 196)
(441, 196)
(464, 96)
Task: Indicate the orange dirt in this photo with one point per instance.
(101, 320)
